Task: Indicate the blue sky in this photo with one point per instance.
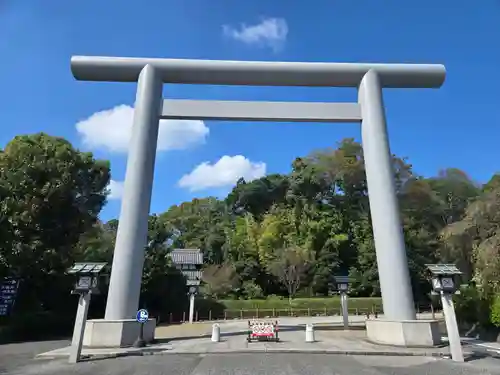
(455, 126)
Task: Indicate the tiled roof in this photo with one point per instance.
(187, 256)
(443, 269)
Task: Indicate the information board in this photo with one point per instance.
(8, 292)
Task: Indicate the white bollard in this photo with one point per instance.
(215, 333)
(310, 333)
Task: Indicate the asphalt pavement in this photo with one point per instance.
(258, 363)
(16, 355)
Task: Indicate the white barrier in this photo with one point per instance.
(259, 330)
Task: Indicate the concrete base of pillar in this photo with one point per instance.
(116, 333)
(409, 333)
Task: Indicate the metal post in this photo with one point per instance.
(128, 258)
(79, 329)
(452, 327)
(345, 310)
(392, 263)
(191, 307)
(139, 342)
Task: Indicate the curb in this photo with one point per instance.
(316, 351)
(264, 350)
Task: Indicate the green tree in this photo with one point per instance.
(219, 280)
(290, 265)
(199, 224)
(50, 194)
(477, 238)
(241, 249)
(257, 196)
(314, 221)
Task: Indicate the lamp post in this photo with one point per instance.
(87, 283)
(444, 283)
(193, 291)
(343, 287)
(189, 262)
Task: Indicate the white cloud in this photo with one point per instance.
(225, 172)
(115, 189)
(111, 129)
(271, 32)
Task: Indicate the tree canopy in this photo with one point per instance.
(285, 234)
(321, 210)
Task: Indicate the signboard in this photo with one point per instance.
(84, 282)
(8, 292)
(259, 329)
(447, 283)
(142, 316)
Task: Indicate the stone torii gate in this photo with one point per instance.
(150, 74)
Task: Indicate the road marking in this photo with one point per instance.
(488, 346)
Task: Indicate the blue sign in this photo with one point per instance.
(142, 316)
(8, 291)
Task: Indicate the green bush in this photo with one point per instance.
(472, 308)
(208, 308)
(495, 311)
(36, 326)
(252, 290)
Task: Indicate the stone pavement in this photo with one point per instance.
(183, 330)
(236, 325)
(260, 363)
(195, 339)
(330, 339)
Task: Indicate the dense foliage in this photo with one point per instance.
(315, 223)
(278, 235)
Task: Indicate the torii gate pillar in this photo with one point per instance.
(399, 325)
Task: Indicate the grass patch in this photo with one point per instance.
(301, 303)
(207, 309)
(280, 307)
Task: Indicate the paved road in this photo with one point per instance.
(491, 349)
(262, 364)
(15, 355)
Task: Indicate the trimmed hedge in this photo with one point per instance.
(209, 309)
(301, 303)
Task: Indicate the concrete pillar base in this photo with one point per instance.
(116, 333)
(408, 333)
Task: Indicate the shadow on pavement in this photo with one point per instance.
(284, 328)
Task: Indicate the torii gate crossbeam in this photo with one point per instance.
(151, 74)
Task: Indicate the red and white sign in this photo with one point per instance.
(262, 328)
